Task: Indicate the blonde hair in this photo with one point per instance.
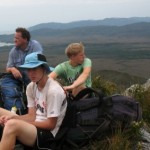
(74, 49)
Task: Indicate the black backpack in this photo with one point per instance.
(95, 116)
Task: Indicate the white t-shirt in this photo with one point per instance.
(50, 102)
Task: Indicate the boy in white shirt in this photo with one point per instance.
(46, 108)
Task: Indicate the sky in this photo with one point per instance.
(27, 13)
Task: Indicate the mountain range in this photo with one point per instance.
(110, 27)
(85, 23)
(121, 44)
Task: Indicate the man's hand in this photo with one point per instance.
(16, 73)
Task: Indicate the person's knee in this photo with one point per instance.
(10, 126)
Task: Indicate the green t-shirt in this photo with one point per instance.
(69, 74)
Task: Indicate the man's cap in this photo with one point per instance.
(34, 60)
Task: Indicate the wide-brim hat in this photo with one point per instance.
(34, 60)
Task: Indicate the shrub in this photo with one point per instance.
(142, 95)
(107, 87)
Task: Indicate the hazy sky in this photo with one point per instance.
(26, 13)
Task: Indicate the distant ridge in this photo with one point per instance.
(83, 23)
(136, 31)
(132, 30)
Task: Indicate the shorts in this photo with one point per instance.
(44, 140)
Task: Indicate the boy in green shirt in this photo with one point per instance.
(76, 72)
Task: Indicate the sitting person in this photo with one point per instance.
(46, 108)
(23, 46)
(14, 83)
(76, 72)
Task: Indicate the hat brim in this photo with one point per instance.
(32, 65)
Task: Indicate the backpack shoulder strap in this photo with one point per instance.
(86, 91)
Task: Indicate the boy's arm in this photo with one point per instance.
(53, 75)
(80, 80)
(29, 117)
